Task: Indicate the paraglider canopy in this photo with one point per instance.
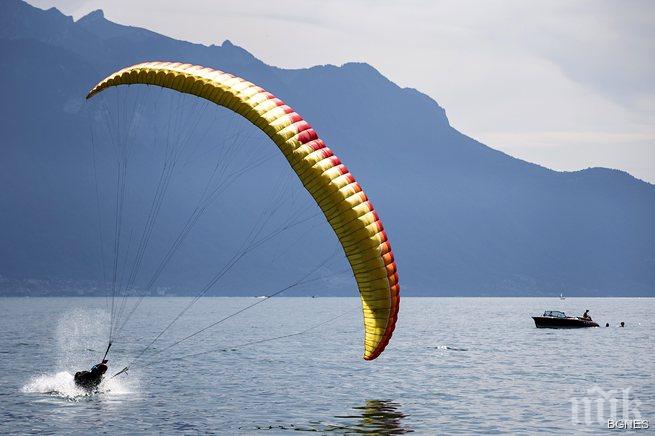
(341, 199)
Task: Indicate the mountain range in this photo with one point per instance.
(464, 219)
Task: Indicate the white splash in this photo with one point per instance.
(82, 339)
(62, 384)
(59, 384)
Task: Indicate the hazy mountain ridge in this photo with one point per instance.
(464, 219)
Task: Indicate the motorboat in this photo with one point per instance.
(555, 319)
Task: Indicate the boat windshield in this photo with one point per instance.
(555, 314)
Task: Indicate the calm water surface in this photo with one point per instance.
(455, 365)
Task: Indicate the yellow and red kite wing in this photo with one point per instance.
(335, 190)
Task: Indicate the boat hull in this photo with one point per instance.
(546, 322)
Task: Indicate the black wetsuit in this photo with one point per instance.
(90, 379)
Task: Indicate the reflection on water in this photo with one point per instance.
(376, 416)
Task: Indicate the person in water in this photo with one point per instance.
(586, 316)
(91, 379)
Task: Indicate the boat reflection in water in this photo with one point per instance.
(374, 417)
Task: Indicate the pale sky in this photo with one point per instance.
(565, 84)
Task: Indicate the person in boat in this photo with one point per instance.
(586, 316)
(91, 379)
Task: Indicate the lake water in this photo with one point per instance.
(454, 365)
